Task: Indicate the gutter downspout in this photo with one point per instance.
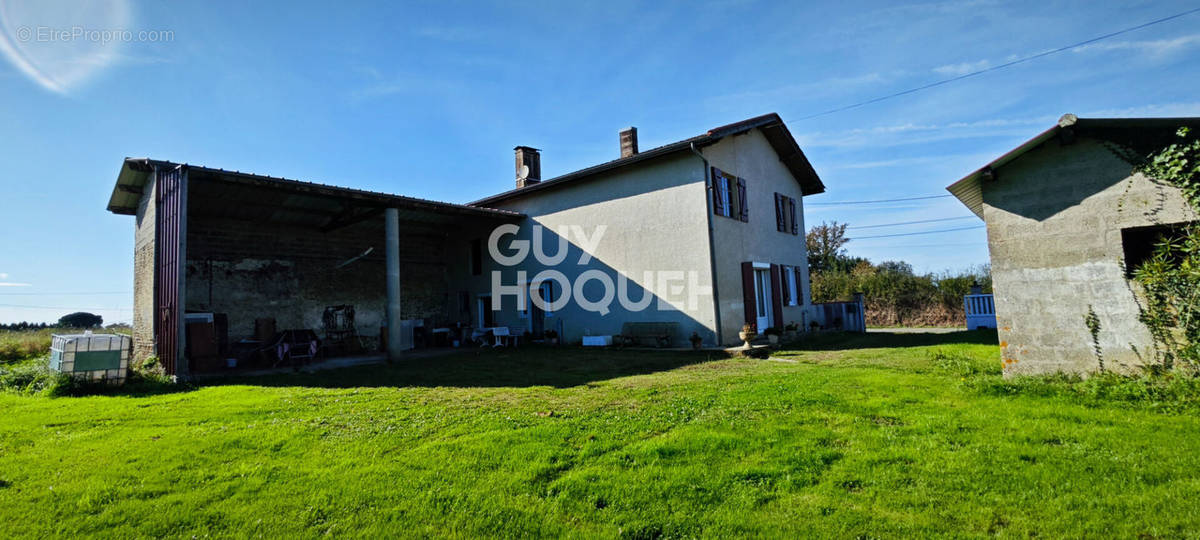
(712, 254)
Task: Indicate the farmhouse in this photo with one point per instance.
(702, 235)
(1067, 222)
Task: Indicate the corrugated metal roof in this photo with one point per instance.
(773, 128)
(135, 171)
(969, 189)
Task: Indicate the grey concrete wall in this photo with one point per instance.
(143, 273)
(1054, 220)
(250, 270)
(751, 157)
(654, 216)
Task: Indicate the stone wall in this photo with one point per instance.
(143, 274)
(290, 272)
(1054, 220)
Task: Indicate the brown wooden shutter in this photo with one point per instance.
(783, 283)
(748, 293)
(792, 212)
(743, 209)
(778, 212)
(799, 286)
(718, 204)
(776, 297)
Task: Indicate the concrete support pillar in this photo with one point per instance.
(395, 347)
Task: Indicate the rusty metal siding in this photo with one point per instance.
(167, 265)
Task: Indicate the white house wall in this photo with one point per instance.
(654, 215)
(751, 157)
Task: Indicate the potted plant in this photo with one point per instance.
(748, 334)
(551, 337)
(696, 341)
(773, 334)
(791, 331)
(814, 326)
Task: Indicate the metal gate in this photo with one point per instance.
(168, 216)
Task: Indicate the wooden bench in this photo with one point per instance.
(662, 333)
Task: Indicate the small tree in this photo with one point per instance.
(81, 319)
(826, 245)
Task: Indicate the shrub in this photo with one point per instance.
(894, 295)
(31, 378)
(1167, 391)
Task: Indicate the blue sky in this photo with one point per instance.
(428, 99)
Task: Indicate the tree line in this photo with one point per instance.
(894, 294)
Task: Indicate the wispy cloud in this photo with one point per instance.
(1157, 47)
(910, 161)
(1154, 110)
(447, 33)
(913, 133)
(963, 68)
(11, 284)
(831, 85)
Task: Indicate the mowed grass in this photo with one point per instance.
(883, 436)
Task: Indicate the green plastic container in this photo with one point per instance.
(92, 356)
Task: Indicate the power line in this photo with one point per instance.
(916, 233)
(910, 246)
(910, 222)
(62, 294)
(831, 203)
(1004, 65)
(19, 306)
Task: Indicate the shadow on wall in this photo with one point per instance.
(602, 289)
(1091, 165)
(530, 366)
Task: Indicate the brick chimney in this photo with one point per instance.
(628, 141)
(529, 166)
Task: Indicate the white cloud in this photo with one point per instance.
(911, 161)
(1154, 110)
(1155, 47)
(963, 68)
(913, 133)
(11, 284)
(830, 86)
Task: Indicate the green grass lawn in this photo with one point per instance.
(879, 435)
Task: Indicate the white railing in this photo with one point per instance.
(980, 310)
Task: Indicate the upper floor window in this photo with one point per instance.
(477, 257)
(729, 195)
(785, 214)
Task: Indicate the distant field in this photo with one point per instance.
(894, 436)
(16, 345)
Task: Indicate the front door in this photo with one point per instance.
(537, 317)
(762, 297)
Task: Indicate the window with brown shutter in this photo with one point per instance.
(718, 192)
(799, 285)
(748, 294)
(743, 209)
(792, 214)
(783, 284)
(779, 213)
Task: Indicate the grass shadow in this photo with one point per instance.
(559, 367)
(842, 341)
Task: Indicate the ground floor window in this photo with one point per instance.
(1139, 243)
